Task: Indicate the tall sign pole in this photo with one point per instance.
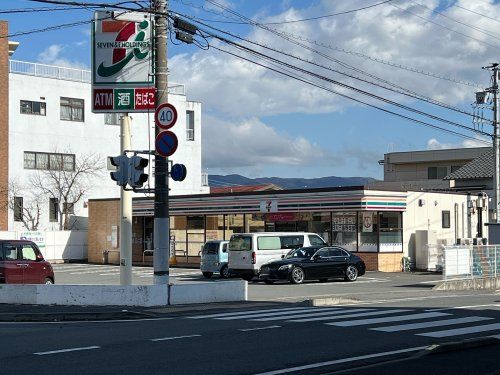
(125, 211)
(161, 206)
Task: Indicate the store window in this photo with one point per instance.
(344, 230)
(437, 173)
(391, 231)
(190, 125)
(255, 222)
(320, 224)
(367, 231)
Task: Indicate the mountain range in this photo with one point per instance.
(287, 183)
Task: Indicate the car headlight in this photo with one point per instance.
(285, 267)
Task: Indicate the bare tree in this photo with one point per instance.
(24, 202)
(67, 183)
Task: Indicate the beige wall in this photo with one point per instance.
(102, 216)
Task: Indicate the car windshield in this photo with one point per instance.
(303, 252)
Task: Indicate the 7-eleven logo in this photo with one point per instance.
(125, 47)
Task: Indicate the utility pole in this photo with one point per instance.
(496, 141)
(161, 207)
(125, 211)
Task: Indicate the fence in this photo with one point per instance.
(55, 245)
(471, 262)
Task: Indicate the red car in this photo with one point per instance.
(21, 262)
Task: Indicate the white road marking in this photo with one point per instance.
(257, 329)
(242, 313)
(322, 313)
(343, 360)
(385, 312)
(465, 307)
(67, 350)
(437, 323)
(174, 338)
(398, 318)
(462, 331)
(279, 313)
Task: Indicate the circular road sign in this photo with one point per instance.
(166, 143)
(165, 116)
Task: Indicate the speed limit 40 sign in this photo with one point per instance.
(165, 116)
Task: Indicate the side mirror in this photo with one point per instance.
(282, 256)
(39, 257)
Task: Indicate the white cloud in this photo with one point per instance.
(434, 144)
(385, 32)
(52, 56)
(251, 143)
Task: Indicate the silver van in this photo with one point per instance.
(214, 259)
(249, 251)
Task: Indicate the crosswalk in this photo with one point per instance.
(419, 322)
(110, 270)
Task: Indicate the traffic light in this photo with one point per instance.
(137, 177)
(122, 169)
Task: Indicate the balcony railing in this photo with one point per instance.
(68, 74)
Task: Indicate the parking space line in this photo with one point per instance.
(67, 350)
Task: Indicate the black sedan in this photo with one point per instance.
(313, 263)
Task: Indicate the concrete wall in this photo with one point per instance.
(128, 295)
(4, 124)
(57, 245)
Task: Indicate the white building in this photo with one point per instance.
(50, 119)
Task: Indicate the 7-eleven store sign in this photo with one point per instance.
(122, 63)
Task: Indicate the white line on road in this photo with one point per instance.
(343, 360)
(465, 307)
(174, 338)
(462, 331)
(355, 315)
(311, 314)
(437, 323)
(306, 310)
(257, 329)
(398, 318)
(67, 350)
(239, 312)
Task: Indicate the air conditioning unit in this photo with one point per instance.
(464, 241)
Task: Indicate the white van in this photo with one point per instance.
(249, 251)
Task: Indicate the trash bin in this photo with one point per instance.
(105, 256)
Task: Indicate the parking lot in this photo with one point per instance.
(372, 286)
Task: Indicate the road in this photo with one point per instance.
(386, 332)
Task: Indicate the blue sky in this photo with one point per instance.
(261, 124)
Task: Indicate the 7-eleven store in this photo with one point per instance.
(378, 225)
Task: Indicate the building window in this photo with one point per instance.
(33, 108)
(53, 209)
(112, 118)
(190, 125)
(46, 162)
(445, 219)
(72, 109)
(437, 173)
(18, 208)
(69, 208)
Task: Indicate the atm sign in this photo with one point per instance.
(123, 100)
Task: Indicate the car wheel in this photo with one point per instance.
(224, 272)
(297, 275)
(269, 282)
(208, 275)
(48, 281)
(351, 273)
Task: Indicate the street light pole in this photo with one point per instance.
(161, 209)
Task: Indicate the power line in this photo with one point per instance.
(477, 13)
(354, 99)
(445, 27)
(399, 90)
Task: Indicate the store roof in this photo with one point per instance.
(480, 167)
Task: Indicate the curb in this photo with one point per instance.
(330, 301)
(74, 316)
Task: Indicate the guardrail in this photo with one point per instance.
(69, 74)
(471, 262)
